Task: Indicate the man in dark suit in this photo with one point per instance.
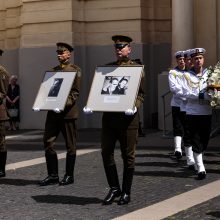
(62, 121)
(4, 82)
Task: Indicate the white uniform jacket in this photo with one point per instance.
(175, 77)
(192, 85)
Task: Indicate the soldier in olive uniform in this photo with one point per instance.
(4, 82)
(122, 127)
(62, 121)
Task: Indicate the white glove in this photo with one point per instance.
(131, 111)
(36, 109)
(57, 110)
(87, 110)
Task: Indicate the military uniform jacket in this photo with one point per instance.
(71, 110)
(119, 119)
(4, 82)
(192, 85)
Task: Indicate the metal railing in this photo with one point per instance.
(166, 133)
(215, 123)
(215, 119)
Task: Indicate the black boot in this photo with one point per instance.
(52, 169)
(126, 186)
(201, 175)
(70, 164)
(112, 178)
(178, 155)
(3, 157)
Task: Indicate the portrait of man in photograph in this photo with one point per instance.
(122, 86)
(115, 85)
(55, 88)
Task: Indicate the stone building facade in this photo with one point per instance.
(29, 30)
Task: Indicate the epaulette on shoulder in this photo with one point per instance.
(173, 72)
(176, 73)
(2, 68)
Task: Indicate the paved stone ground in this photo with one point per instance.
(157, 177)
(206, 211)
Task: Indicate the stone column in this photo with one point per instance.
(182, 39)
(206, 17)
(182, 25)
(218, 30)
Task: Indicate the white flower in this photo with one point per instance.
(217, 71)
(213, 82)
(213, 103)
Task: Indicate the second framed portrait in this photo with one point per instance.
(114, 88)
(54, 90)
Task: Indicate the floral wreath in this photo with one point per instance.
(213, 87)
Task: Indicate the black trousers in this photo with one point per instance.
(180, 126)
(128, 141)
(178, 121)
(199, 131)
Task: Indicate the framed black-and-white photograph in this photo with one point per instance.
(114, 88)
(54, 90)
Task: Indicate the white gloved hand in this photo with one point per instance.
(57, 110)
(87, 110)
(36, 109)
(131, 111)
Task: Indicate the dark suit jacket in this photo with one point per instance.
(12, 94)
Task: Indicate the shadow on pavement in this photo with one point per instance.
(214, 213)
(18, 182)
(32, 147)
(211, 154)
(211, 162)
(66, 199)
(181, 174)
(216, 171)
(157, 164)
(153, 155)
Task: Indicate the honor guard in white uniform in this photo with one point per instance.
(188, 59)
(198, 109)
(174, 77)
(186, 138)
